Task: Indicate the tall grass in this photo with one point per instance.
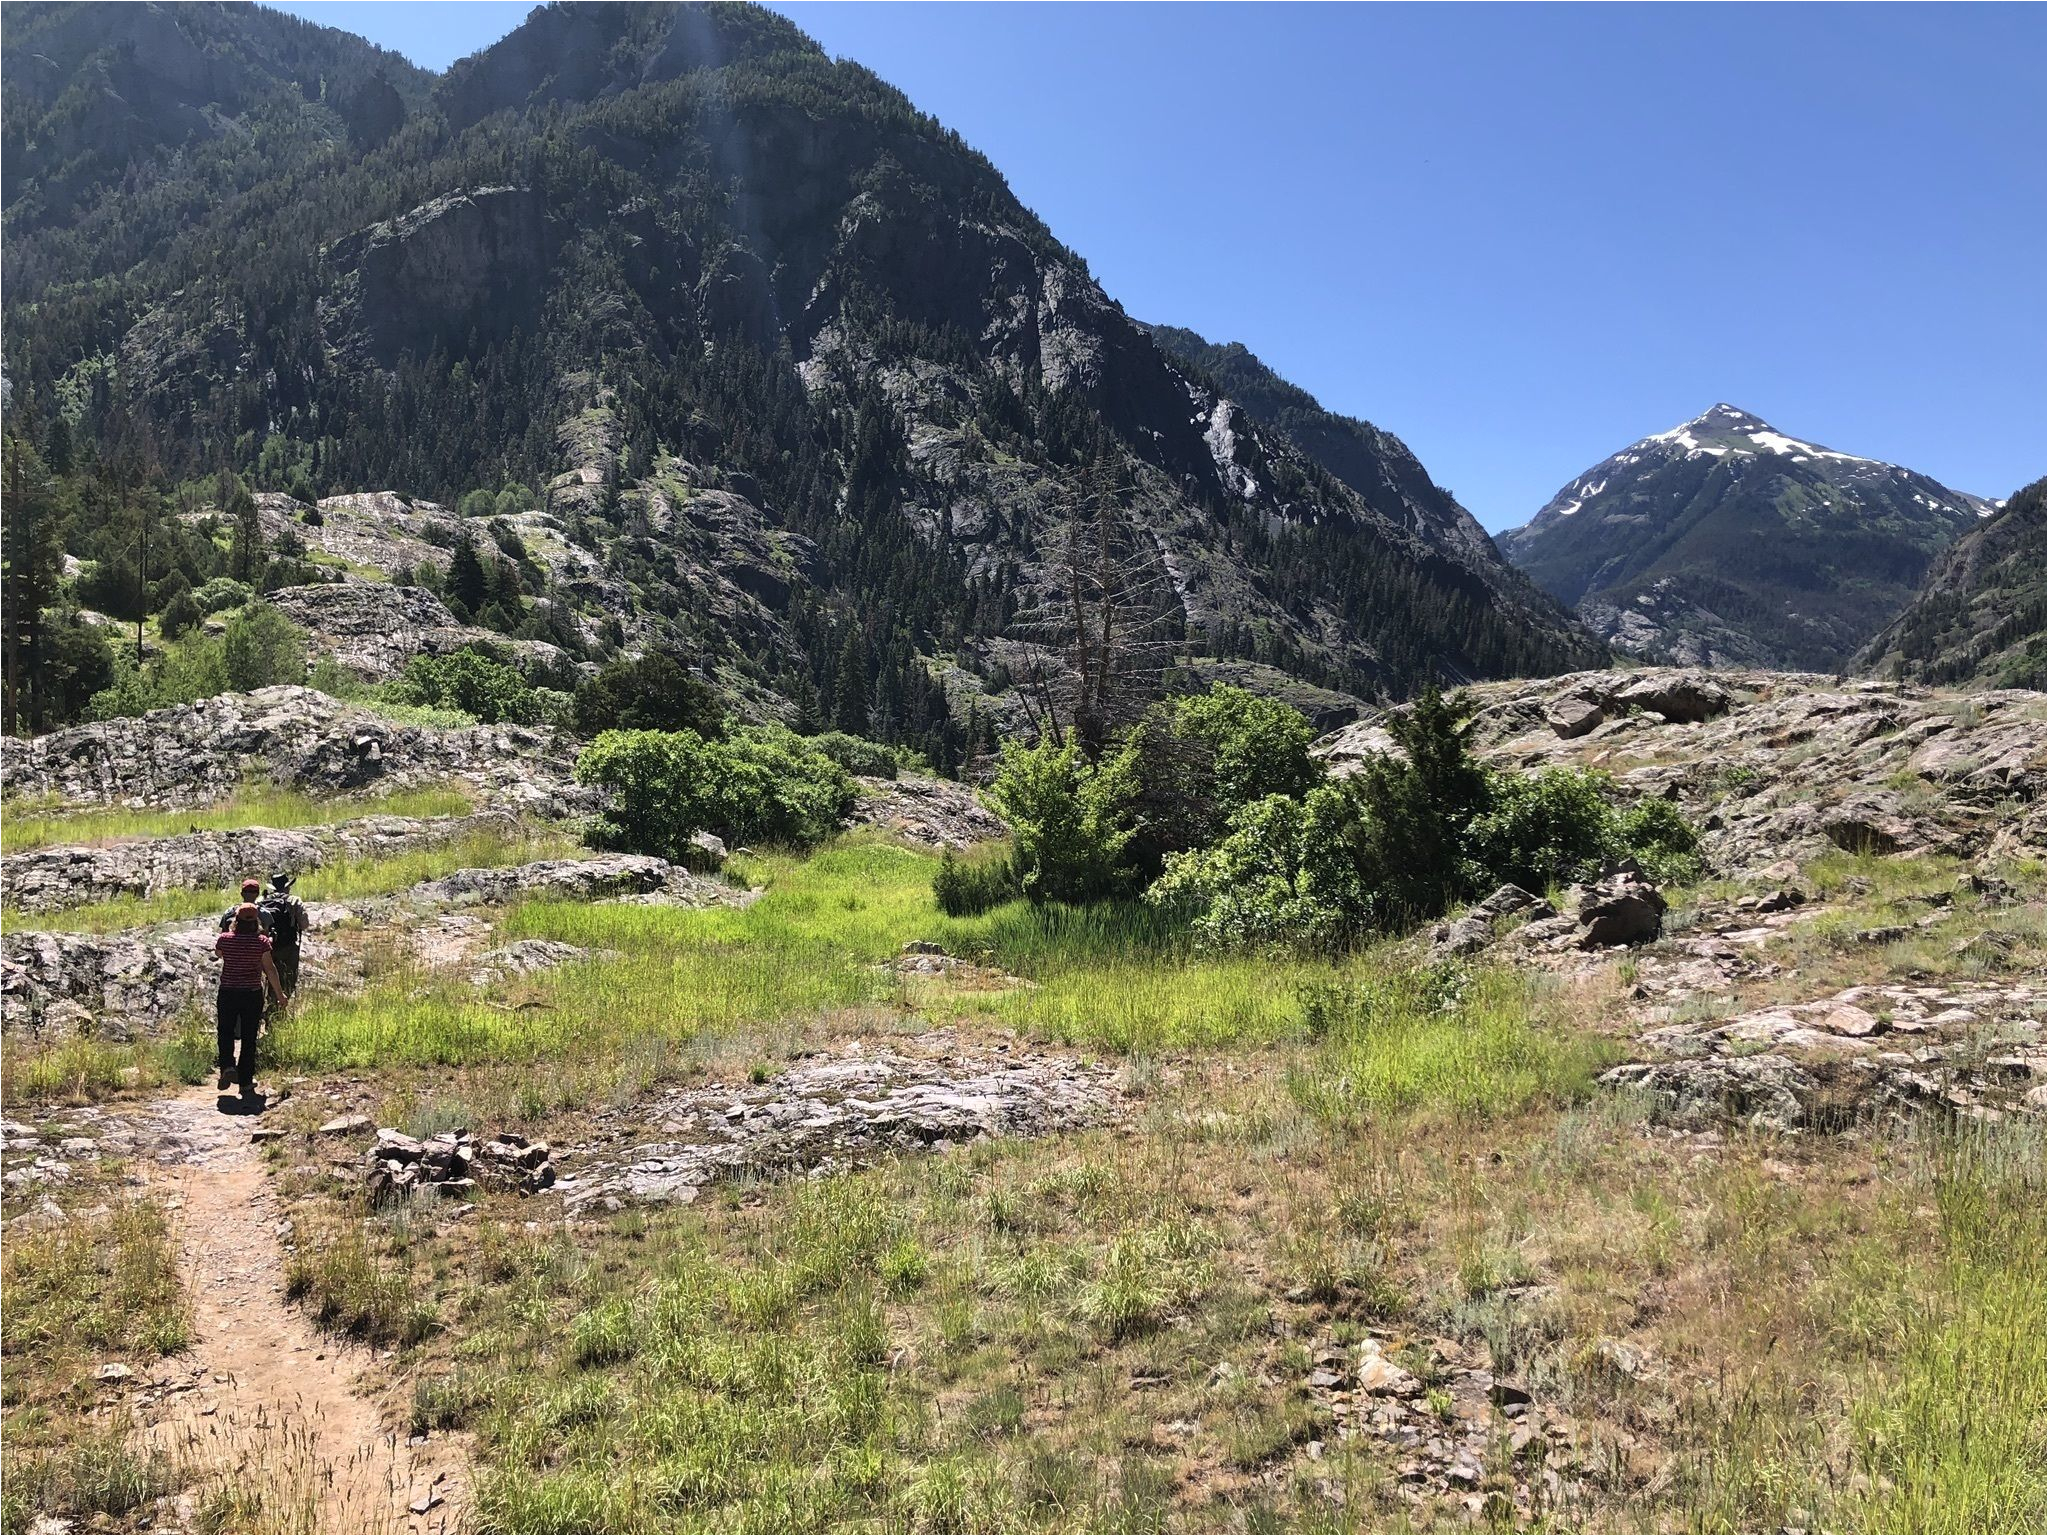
(816, 942)
(1472, 1045)
(253, 805)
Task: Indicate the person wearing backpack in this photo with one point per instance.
(252, 891)
(247, 973)
(285, 919)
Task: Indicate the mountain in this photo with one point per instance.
(1980, 616)
(1374, 464)
(1724, 541)
(800, 385)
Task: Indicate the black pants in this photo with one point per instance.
(287, 966)
(238, 1014)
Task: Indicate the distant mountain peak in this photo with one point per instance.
(1724, 540)
(1728, 429)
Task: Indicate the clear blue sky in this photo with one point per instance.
(1522, 236)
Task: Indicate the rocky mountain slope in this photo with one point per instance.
(1727, 543)
(814, 396)
(1980, 616)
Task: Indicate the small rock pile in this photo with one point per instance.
(453, 1163)
(1443, 1426)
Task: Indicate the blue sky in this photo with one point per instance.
(1522, 236)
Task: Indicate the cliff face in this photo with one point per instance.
(678, 268)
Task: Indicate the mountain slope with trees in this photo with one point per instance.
(1725, 542)
(1980, 617)
(800, 390)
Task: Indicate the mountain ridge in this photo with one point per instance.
(1725, 541)
(784, 356)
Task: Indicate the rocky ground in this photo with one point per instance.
(1775, 766)
(1854, 961)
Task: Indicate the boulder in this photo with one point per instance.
(1682, 699)
(1572, 718)
(1621, 907)
(1763, 1092)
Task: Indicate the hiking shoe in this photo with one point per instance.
(226, 1078)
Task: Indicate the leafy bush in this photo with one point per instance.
(1405, 837)
(1285, 875)
(856, 754)
(1070, 818)
(221, 594)
(472, 682)
(181, 615)
(1554, 825)
(759, 785)
(1661, 840)
(261, 648)
(654, 692)
(968, 888)
(1203, 758)
(195, 668)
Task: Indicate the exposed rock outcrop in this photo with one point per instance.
(52, 879)
(832, 1112)
(374, 629)
(936, 813)
(193, 754)
(1788, 768)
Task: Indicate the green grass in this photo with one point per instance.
(254, 805)
(815, 944)
(340, 880)
(1472, 1045)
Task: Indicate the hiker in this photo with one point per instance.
(252, 893)
(246, 973)
(285, 919)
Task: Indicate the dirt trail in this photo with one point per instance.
(263, 1404)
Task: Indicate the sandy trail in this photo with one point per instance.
(263, 1404)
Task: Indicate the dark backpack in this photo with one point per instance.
(280, 912)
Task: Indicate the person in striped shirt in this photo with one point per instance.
(246, 973)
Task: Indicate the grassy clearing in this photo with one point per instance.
(103, 1287)
(341, 880)
(816, 945)
(254, 805)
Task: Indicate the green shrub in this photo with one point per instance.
(1553, 825)
(654, 692)
(472, 682)
(181, 615)
(261, 648)
(1070, 818)
(1661, 840)
(856, 754)
(1203, 758)
(221, 594)
(968, 888)
(760, 785)
(1286, 875)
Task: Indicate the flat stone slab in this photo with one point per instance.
(832, 1112)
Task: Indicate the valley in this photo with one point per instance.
(933, 906)
(856, 1212)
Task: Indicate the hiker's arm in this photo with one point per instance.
(270, 979)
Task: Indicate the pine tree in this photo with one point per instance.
(31, 564)
(850, 697)
(468, 583)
